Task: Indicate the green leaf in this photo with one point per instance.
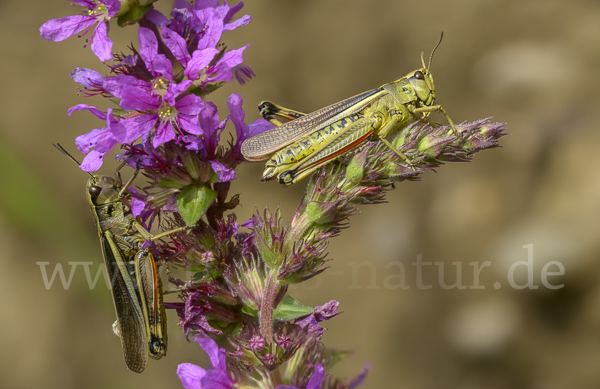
(193, 202)
(249, 311)
(266, 254)
(200, 275)
(290, 309)
(134, 13)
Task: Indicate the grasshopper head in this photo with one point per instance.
(103, 190)
(422, 83)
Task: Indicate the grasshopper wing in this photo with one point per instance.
(262, 146)
(130, 319)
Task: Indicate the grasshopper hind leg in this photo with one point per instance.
(272, 112)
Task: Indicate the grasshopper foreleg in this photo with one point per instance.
(385, 129)
(438, 108)
(150, 237)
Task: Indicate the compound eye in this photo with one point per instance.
(419, 75)
(95, 190)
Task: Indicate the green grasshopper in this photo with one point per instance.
(297, 148)
(136, 288)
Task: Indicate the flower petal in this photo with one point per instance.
(136, 98)
(157, 64)
(200, 60)
(232, 11)
(359, 378)
(164, 133)
(182, 4)
(115, 84)
(189, 105)
(177, 45)
(223, 68)
(190, 375)
(237, 114)
(174, 90)
(82, 107)
(209, 119)
(225, 174)
(258, 127)
(238, 23)
(156, 17)
(113, 6)
(99, 138)
(215, 379)
(202, 4)
(135, 127)
(326, 311)
(190, 124)
(57, 30)
(194, 143)
(211, 348)
(316, 381)
(137, 206)
(213, 27)
(87, 77)
(85, 3)
(101, 43)
(92, 162)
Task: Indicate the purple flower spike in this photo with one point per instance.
(195, 377)
(98, 13)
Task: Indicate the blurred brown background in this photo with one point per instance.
(532, 64)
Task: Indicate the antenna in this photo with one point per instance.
(433, 51)
(65, 152)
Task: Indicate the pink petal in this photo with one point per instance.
(56, 30)
(101, 44)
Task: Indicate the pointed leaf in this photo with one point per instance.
(193, 202)
(290, 309)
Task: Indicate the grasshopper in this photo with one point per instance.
(308, 141)
(136, 288)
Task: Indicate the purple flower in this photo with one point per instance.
(316, 380)
(321, 313)
(88, 78)
(243, 131)
(211, 127)
(159, 102)
(210, 9)
(221, 71)
(98, 13)
(101, 140)
(195, 377)
(242, 73)
(192, 36)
